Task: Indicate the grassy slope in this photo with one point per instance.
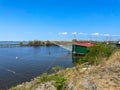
(105, 76)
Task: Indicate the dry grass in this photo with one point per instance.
(105, 76)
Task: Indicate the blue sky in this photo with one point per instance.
(59, 19)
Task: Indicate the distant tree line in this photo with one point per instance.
(37, 43)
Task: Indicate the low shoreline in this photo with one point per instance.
(104, 76)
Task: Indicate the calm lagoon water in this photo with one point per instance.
(31, 62)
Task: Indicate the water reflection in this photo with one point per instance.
(76, 59)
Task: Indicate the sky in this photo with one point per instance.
(59, 19)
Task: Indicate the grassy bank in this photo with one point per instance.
(105, 76)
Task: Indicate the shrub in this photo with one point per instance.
(96, 53)
(56, 68)
(58, 81)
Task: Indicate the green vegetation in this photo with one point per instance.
(56, 69)
(21, 43)
(58, 80)
(48, 43)
(96, 53)
(36, 43)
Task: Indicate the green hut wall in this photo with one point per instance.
(79, 49)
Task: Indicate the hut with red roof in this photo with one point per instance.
(80, 48)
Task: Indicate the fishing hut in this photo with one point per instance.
(80, 48)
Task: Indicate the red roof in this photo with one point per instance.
(84, 44)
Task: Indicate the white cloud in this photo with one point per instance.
(63, 33)
(115, 35)
(105, 34)
(98, 34)
(83, 33)
(95, 34)
(74, 33)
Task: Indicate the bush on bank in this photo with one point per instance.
(97, 53)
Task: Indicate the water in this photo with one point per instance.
(30, 62)
(12, 42)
